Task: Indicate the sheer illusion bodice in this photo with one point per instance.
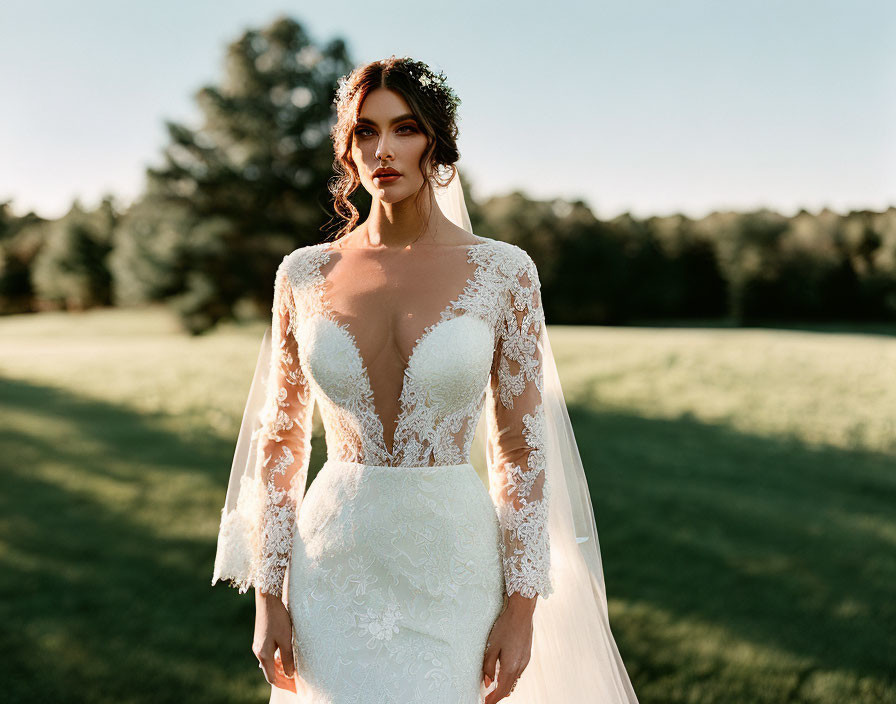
(402, 350)
(394, 310)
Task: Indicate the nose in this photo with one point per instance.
(383, 149)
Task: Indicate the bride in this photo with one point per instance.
(398, 576)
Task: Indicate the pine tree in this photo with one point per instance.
(244, 188)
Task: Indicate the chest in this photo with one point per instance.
(389, 303)
(384, 333)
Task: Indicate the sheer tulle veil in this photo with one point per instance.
(574, 655)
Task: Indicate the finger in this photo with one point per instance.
(284, 682)
(503, 690)
(274, 675)
(287, 662)
(489, 663)
(268, 669)
(497, 693)
(505, 681)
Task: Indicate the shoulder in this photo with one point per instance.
(298, 266)
(512, 261)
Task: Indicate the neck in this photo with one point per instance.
(416, 219)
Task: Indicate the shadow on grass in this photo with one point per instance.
(772, 541)
(95, 605)
(777, 543)
(881, 328)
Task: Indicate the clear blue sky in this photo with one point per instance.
(652, 107)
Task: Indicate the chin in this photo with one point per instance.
(393, 195)
(393, 198)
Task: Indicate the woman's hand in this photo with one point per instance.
(510, 641)
(273, 632)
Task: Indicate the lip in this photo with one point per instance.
(386, 175)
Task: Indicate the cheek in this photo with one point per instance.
(414, 148)
(357, 155)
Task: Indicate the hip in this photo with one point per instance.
(441, 516)
(374, 493)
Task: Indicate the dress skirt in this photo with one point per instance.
(395, 581)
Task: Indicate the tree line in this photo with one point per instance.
(248, 185)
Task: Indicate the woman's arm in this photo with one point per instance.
(284, 443)
(284, 449)
(517, 476)
(517, 472)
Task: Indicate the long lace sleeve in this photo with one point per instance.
(284, 446)
(516, 462)
(256, 537)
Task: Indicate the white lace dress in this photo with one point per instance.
(398, 556)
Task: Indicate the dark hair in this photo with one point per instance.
(432, 102)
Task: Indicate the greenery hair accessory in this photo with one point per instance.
(432, 83)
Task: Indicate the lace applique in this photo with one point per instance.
(517, 439)
(256, 538)
(435, 424)
(482, 351)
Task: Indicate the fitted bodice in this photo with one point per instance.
(401, 351)
(400, 370)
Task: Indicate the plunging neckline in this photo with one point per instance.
(448, 312)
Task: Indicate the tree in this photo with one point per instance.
(21, 239)
(70, 271)
(243, 189)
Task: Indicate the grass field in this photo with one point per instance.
(744, 483)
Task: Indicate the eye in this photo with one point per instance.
(409, 128)
(363, 131)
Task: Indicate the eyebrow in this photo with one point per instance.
(400, 118)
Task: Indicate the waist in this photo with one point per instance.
(388, 467)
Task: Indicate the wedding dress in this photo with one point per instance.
(396, 561)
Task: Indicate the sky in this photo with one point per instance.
(647, 107)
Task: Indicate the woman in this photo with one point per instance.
(405, 579)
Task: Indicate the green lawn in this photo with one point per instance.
(744, 483)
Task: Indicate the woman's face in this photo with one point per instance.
(387, 135)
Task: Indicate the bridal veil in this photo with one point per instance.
(574, 655)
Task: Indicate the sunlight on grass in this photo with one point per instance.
(820, 388)
(743, 484)
(139, 360)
